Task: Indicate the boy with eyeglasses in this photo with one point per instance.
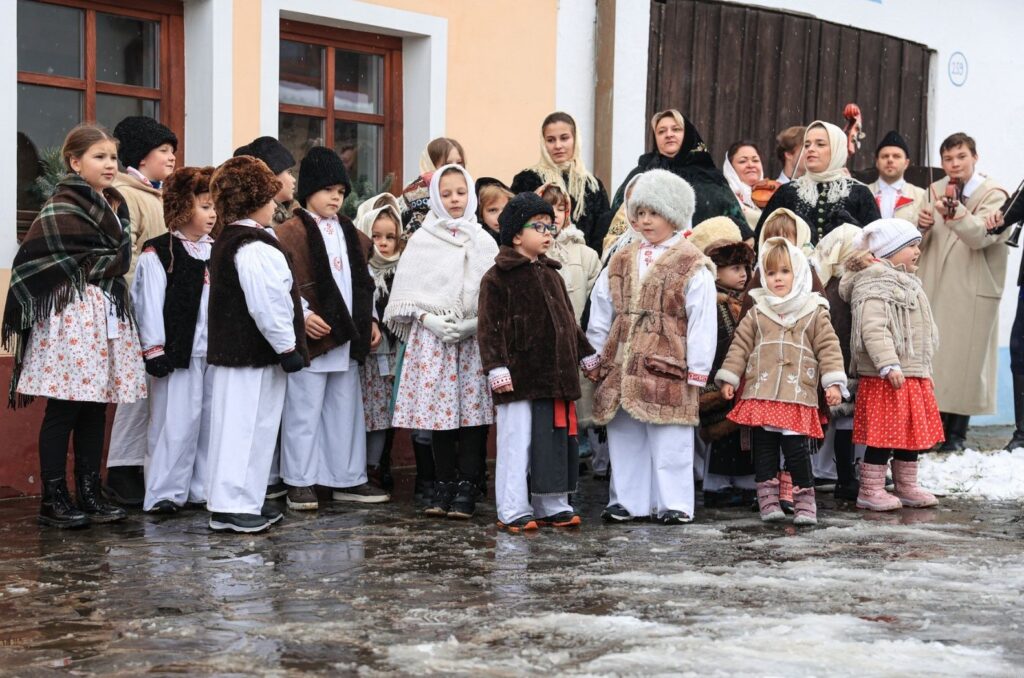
(531, 345)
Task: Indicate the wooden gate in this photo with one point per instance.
(741, 72)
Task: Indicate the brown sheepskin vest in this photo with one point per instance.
(234, 340)
(301, 239)
(644, 360)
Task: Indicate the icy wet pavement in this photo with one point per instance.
(380, 590)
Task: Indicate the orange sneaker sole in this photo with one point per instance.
(575, 521)
(515, 529)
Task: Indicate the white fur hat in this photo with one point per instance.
(665, 193)
(886, 237)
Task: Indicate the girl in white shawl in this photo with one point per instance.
(433, 307)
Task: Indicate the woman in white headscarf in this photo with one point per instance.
(742, 169)
(561, 164)
(825, 196)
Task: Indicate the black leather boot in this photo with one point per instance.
(464, 504)
(57, 509)
(847, 486)
(387, 480)
(1018, 411)
(91, 501)
(441, 499)
(424, 490)
(956, 433)
(126, 485)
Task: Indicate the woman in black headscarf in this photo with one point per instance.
(681, 150)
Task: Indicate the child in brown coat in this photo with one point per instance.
(530, 346)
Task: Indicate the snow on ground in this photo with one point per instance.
(984, 475)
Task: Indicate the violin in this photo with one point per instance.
(952, 197)
(763, 190)
(853, 129)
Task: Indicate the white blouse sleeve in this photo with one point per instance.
(602, 313)
(149, 289)
(702, 327)
(266, 281)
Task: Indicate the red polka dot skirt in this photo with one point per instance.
(804, 420)
(907, 419)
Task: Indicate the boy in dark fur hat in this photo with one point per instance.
(323, 431)
(256, 335)
(280, 161)
(532, 370)
(729, 474)
(146, 150)
(171, 293)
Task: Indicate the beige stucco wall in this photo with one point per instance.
(501, 76)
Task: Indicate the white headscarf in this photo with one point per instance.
(580, 178)
(833, 250)
(800, 301)
(443, 262)
(834, 174)
(803, 231)
(368, 213)
(738, 186)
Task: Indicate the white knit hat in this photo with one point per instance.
(885, 237)
(665, 193)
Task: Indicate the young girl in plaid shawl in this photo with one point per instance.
(69, 319)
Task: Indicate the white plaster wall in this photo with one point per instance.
(576, 72)
(208, 81)
(629, 104)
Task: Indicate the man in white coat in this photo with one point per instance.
(894, 195)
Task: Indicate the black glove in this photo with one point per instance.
(159, 366)
(292, 361)
(841, 216)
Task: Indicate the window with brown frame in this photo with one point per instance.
(80, 60)
(343, 89)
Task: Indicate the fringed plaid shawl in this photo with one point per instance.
(80, 237)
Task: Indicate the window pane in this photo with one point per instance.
(45, 115)
(302, 74)
(299, 133)
(50, 39)
(127, 50)
(358, 82)
(112, 109)
(360, 148)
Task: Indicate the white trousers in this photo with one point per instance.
(515, 421)
(375, 441)
(323, 432)
(129, 432)
(599, 460)
(652, 466)
(701, 452)
(179, 435)
(245, 416)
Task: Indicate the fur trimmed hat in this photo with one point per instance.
(665, 193)
(731, 253)
(241, 186)
(270, 151)
(712, 230)
(518, 211)
(321, 168)
(179, 193)
(137, 135)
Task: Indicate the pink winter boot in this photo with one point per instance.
(805, 507)
(872, 494)
(904, 475)
(768, 501)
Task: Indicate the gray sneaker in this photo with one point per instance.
(364, 494)
(302, 499)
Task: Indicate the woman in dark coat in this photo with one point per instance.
(824, 196)
(561, 164)
(681, 150)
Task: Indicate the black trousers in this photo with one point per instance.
(1017, 337)
(457, 453)
(880, 455)
(766, 446)
(62, 418)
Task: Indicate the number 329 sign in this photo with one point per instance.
(958, 69)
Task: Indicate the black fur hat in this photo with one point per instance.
(321, 168)
(893, 138)
(137, 135)
(518, 211)
(731, 253)
(270, 151)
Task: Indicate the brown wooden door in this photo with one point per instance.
(741, 72)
